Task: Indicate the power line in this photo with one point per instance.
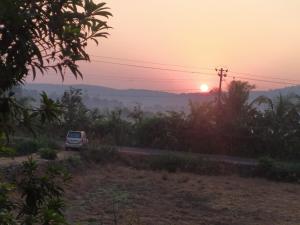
(130, 78)
(150, 62)
(287, 82)
(153, 68)
(264, 81)
(209, 69)
(162, 90)
(160, 80)
(267, 77)
(195, 72)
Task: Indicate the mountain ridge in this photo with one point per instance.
(152, 100)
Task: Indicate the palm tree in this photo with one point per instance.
(49, 109)
(235, 118)
(280, 125)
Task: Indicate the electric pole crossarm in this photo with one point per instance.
(221, 73)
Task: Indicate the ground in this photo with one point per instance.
(114, 194)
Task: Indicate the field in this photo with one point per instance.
(115, 194)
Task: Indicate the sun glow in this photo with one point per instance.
(204, 88)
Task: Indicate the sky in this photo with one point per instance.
(254, 39)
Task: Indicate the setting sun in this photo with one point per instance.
(204, 88)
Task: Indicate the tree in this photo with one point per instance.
(201, 122)
(75, 112)
(36, 36)
(279, 127)
(236, 119)
(41, 35)
(46, 34)
(236, 101)
(136, 114)
(162, 130)
(39, 199)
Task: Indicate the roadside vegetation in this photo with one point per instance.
(239, 126)
(262, 128)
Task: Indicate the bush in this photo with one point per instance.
(266, 163)
(279, 171)
(27, 147)
(48, 153)
(46, 142)
(100, 154)
(7, 151)
(30, 146)
(36, 197)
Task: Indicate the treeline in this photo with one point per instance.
(236, 126)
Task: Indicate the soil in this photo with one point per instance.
(114, 194)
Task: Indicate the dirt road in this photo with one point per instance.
(6, 162)
(217, 158)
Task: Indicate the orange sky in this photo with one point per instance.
(261, 37)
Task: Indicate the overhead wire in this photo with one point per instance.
(134, 78)
(263, 80)
(261, 76)
(150, 62)
(197, 72)
(153, 68)
(200, 68)
(232, 74)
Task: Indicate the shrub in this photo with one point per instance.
(100, 154)
(30, 146)
(27, 147)
(266, 163)
(48, 153)
(279, 171)
(7, 151)
(46, 142)
(39, 199)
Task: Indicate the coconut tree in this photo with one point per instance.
(236, 118)
(280, 124)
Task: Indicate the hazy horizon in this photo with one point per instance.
(256, 37)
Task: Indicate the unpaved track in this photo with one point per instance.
(216, 158)
(6, 162)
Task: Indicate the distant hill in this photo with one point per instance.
(104, 97)
(275, 92)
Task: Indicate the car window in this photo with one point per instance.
(74, 135)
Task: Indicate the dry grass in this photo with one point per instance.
(160, 198)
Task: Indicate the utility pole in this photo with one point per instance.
(221, 73)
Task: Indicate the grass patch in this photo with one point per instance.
(175, 162)
(100, 154)
(74, 161)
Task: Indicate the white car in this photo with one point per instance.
(76, 140)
